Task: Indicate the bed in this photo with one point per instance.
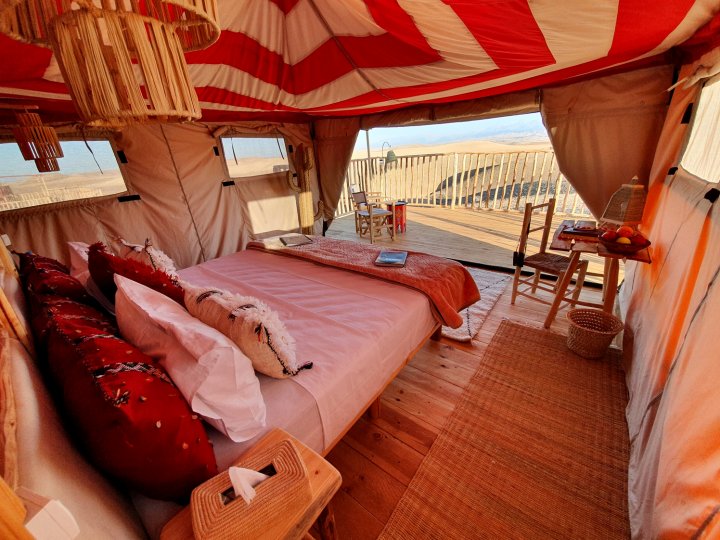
(357, 330)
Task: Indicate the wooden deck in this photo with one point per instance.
(478, 237)
(378, 457)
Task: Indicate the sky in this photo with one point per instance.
(509, 128)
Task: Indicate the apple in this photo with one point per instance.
(625, 231)
(638, 240)
(608, 235)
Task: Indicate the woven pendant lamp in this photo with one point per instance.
(47, 165)
(37, 141)
(122, 60)
(626, 205)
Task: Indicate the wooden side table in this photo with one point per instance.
(296, 519)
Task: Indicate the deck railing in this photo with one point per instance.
(478, 181)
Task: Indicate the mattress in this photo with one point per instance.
(356, 330)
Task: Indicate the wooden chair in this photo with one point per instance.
(370, 218)
(542, 262)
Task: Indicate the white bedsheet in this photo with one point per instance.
(355, 329)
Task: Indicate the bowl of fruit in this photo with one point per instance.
(625, 240)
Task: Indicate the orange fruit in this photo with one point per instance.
(625, 231)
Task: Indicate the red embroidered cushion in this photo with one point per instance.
(46, 308)
(128, 415)
(54, 282)
(103, 265)
(30, 261)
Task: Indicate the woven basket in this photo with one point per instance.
(591, 331)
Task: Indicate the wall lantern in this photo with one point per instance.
(122, 60)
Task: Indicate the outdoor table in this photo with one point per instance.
(610, 275)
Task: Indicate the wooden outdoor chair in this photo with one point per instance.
(370, 218)
(541, 262)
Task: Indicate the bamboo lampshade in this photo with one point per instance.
(122, 68)
(122, 60)
(36, 141)
(195, 21)
(47, 165)
(626, 205)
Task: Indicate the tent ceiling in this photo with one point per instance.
(290, 59)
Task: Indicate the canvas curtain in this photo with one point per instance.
(604, 131)
(334, 143)
(671, 308)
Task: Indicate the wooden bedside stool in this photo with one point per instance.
(286, 507)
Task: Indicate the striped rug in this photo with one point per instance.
(536, 448)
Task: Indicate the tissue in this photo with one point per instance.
(244, 482)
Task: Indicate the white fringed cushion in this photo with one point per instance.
(251, 325)
(147, 254)
(214, 376)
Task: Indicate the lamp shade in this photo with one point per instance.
(195, 21)
(391, 157)
(626, 205)
(36, 141)
(47, 165)
(122, 60)
(123, 68)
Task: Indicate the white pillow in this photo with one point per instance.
(250, 324)
(215, 377)
(147, 254)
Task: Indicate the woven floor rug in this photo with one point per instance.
(536, 448)
(491, 285)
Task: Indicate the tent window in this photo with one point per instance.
(82, 175)
(702, 151)
(253, 156)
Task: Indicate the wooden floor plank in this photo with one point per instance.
(446, 363)
(430, 408)
(371, 487)
(352, 520)
(413, 431)
(390, 454)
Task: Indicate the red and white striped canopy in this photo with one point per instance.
(290, 59)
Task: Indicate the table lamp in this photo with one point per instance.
(626, 205)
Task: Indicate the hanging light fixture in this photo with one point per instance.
(122, 60)
(626, 205)
(37, 141)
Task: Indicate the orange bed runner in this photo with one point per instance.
(447, 283)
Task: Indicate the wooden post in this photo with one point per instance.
(455, 180)
(434, 180)
(464, 178)
(522, 181)
(540, 177)
(367, 172)
(413, 194)
(475, 180)
(484, 176)
(497, 185)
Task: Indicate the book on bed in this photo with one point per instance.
(391, 258)
(295, 240)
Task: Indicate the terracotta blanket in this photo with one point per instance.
(447, 284)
